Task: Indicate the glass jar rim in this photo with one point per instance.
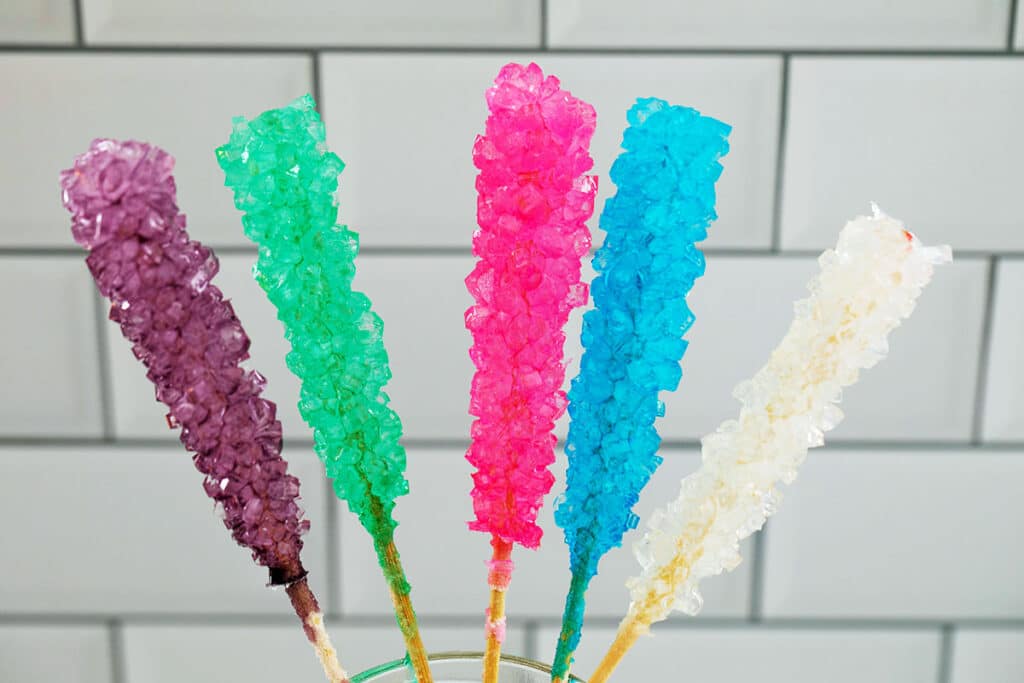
(456, 655)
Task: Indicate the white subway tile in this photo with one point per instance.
(137, 414)
(48, 351)
(271, 653)
(314, 22)
(36, 21)
(940, 24)
(129, 530)
(573, 349)
(743, 307)
(934, 141)
(73, 654)
(767, 655)
(904, 534)
(987, 656)
(925, 388)
(1002, 419)
(421, 301)
(183, 103)
(373, 127)
(209, 654)
(454, 582)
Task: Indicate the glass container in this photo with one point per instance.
(461, 667)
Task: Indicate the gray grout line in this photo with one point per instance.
(981, 381)
(879, 446)
(315, 82)
(42, 252)
(115, 631)
(440, 444)
(780, 153)
(79, 22)
(544, 46)
(415, 251)
(458, 621)
(449, 250)
(945, 668)
(334, 605)
(78, 253)
(1012, 28)
(531, 636)
(100, 309)
(756, 606)
(240, 50)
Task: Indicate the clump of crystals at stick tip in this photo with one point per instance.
(867, 286)
(534, 200)
(632, 338)
(284, 180)
(122, 199)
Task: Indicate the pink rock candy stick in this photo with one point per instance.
(534, 200)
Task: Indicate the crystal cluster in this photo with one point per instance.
(122, 199)
(534, 200)
(868, 284)
(633, 337)
(284, 180)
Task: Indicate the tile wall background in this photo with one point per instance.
(897, 557)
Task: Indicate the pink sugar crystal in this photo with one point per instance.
(496, 628)
(533, 202)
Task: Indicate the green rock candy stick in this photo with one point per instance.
(284, 181)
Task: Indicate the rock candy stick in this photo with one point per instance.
(284, 180)
(633, 335)
(533, 202)
(123, 203)
(868, 284)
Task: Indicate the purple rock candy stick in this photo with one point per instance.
(123, 203)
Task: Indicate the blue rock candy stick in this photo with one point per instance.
(633, 337)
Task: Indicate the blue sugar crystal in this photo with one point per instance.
(632, 337)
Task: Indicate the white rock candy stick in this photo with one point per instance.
(868, 284)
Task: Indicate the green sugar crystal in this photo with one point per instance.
(284, 181)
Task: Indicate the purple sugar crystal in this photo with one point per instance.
(122, 199)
